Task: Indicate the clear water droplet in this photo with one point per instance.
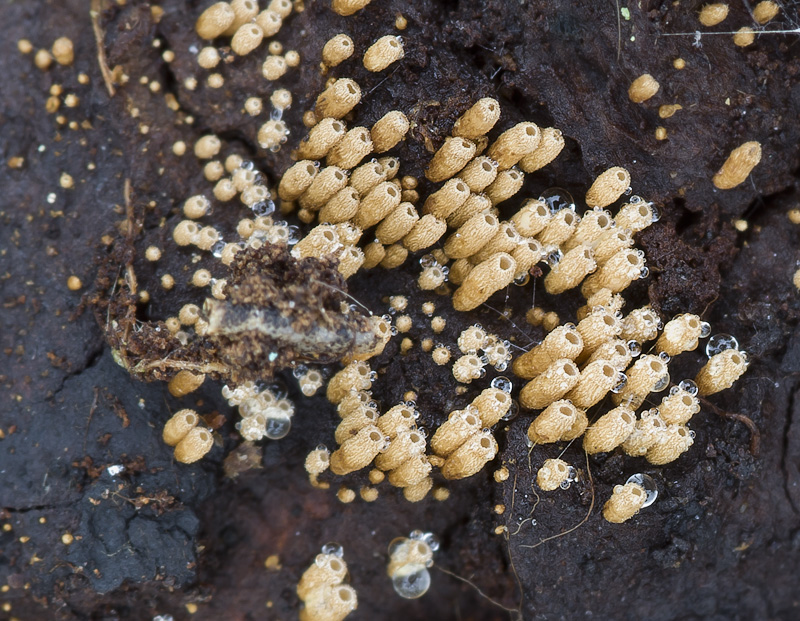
(635, 199)
(412, 585)
(645, 272)
(263, 208)
(557, 199)
(649, 485)
(662, 383)
(635, 348)
(300, 370)
(276, 114)
(689, 386)
(503, 383)
(333, 548)
(656, 212)
(522, 279)
(705, 329)
(278, 427)
(513, 411)
(216, 249)
(565, 484)
(247, 165)
(720, 343)
(664, 356)
(573, 474)
(622, 381)
(553, 257)
(322, 447)
(628, 191)
(427, 260)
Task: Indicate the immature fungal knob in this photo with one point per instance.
(337, 50)
(713, 14)
(63, 51)
(478, 120)
(348, 7)
(215, 20)
(176, 428)
(721, 371)
(317, 462)
(194, 445)
(383, 52)
(642, 89)
(609, 431)
(207, 147)
(744, 36)
(765, 11)
(185, 382)
(738, 166)
(625, 502)
(552, 474)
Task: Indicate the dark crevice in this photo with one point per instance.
(785, 448)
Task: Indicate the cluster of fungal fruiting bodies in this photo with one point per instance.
(322, 588)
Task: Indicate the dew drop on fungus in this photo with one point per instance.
(689, 386)
(412, 585)
(705, 329)
(503, 383)
(720, 343)
(649, 485)
(278, 427)
(557, 199)
(622, 380)
(333, 548)
(662, 383)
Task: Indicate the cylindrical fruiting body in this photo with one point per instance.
(460, 425)
(737, 167)
(640, 325)
(616, 274)
(270, 22)
(418, 491)
(599, 327)
(645, 434)
(470, 457)
(610, 243)
(320, 241)
(330, 602)
(185, 232)
(644, 376)
(381, 201)
(411, 472)
(596, 380)
(625, 502)
(478, 120)
(426, 232)
(507, 183)
(327, 570)
(720, 372)
(514, 144)
(244, 11)
(680, 334)
(506, 239)
(608, 187)
(194, 445)
(357, 452)
(395, 256)
(337, 50)
(527, 254)
(568, 273)
(552, 423)
(338, 99)
(374, 253)
(467, 368)
(459, 270)
(609, 431)
(552, 474)
(350, 150)
(615, 352)
(447, 199)
(635, 216)
(550, 145)
(559, 228)
(321, 139)
(274, 68)
(391, 165)
(351, 258)
(367, 176)
(555, 382)
(593, 224)
(353, 423)
(341, 207)
(388, 131)
(297, 180)
(678, 407)
(532, 218)
(398, 418)
(323, 187)
(185, 382)
(672, 442)
(407, 444)
(176, 428)
(643, 88)
(472, 206)
(348, 7)
(578, 427)
(451, 157)
(479, 173)
(383, 52)
(472, 339)
(563, 342)
(486, 278)
(247, 38)
(354, 377)
(397, 224)
(492, 404)
(317, 462)
(215, 20)
(409, 554)
(207, 147)
(471, 236)
(431, 277)
(352, 402)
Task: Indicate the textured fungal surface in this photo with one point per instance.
(284, 281)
